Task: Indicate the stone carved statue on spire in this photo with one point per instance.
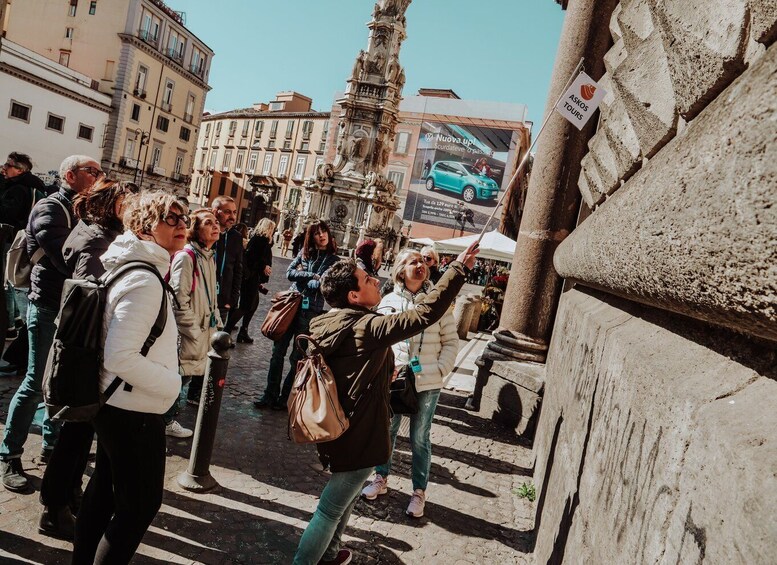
(358, 65)
(394, 7)
(393, 69)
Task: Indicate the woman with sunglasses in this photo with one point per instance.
(319, 252)
(429, 356)
(125, 490)
(432, 261)
(193, 279)
(99, 213)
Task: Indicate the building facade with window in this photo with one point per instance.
(141, 54)
(260, 156)
(47, 110)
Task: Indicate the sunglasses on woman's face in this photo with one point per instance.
(428, 259)
(172, 219)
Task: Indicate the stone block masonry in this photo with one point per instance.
(656, 443)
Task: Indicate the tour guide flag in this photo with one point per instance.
(580, 100)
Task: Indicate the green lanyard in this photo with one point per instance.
(421, 342)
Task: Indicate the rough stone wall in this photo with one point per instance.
(657, 441)
(670, 58)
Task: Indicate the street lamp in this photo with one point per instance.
(144, 135)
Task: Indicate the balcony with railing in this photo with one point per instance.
(127, 162)
(148, 36)
(155, 170)
(173, 54)
(188, 118)
(197, 69)
(139, 92)
(166, 106)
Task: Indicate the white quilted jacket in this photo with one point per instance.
(440, 341)
(133, 305)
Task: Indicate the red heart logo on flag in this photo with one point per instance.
(587, 91)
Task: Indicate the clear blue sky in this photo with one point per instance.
(501, 50)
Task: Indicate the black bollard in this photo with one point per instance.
(197, 477)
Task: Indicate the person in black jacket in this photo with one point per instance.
(20, 190)
(51, 221)
(229, 256)
(18, 193)
(305, 272)
(99, 212)
(257, 268)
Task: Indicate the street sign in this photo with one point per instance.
(580, 100)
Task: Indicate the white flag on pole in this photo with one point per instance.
(580, 100)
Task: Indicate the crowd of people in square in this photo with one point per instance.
(174, 277)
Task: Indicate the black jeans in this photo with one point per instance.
(125, 491)
(67, 464)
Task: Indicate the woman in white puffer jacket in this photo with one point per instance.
(435, 349)
(125, 490)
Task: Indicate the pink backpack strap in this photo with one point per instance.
(195, 272)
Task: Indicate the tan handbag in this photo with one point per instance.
(281, 314)
(315, 413)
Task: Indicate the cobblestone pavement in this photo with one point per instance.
(269, 488)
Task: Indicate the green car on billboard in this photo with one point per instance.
(462, 179)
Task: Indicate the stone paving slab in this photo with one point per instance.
(269, 489)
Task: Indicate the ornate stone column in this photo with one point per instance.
(550, 214)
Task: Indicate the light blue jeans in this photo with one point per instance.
(24, 404)
(420, 444)
(323, 535)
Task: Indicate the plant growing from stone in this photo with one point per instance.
(526, 490)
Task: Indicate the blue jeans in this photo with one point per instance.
(323, 535)
(420, 444)
(16, 303)
(24, 404)
(273, 394)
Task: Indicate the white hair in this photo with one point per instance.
(432, 253)
(72, 163)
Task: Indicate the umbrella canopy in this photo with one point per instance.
(494, 245)
(424, 241)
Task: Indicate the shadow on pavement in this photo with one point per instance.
(24, 550)
(479, 461)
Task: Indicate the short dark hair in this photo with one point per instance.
(21, 159)
(338, 281)
(310, 243)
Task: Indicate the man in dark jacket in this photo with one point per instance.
(19, 191)
(356, 344)
(50, 224)
(229, 256)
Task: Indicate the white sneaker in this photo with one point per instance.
(174, 429)
(379, 485)
(417, 501)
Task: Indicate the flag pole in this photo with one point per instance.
(526, 157)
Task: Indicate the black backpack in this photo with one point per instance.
(71, 382)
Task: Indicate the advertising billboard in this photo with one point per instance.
(458, 170)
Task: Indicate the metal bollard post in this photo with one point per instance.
(197, 477)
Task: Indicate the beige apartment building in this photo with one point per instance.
(141, 54)
(260, 156)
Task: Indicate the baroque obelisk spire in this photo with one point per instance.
(354, 191)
